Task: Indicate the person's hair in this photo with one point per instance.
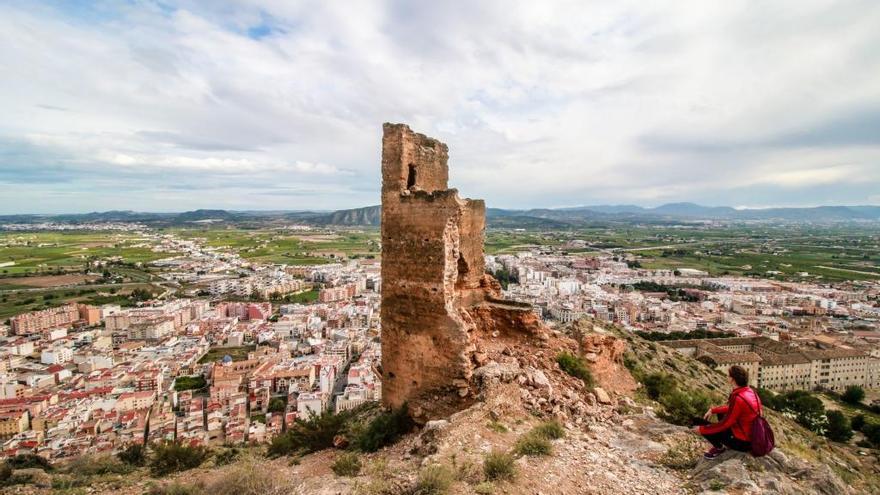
(739, 375)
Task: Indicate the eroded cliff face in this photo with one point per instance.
(436, 299)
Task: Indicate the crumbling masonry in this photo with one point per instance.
(437, 302)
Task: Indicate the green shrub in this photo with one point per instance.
(97, 465)
(174, 457)
(532, 444)
(226, 456)
(658, 385)
(347, 464)
(857, 422)
(5, 472)
(484, 488)
(872, 432)
(768, 398)
(684, 455)
(853, 394)
(182, 383)
(133, 455)
(808, 410)
(384, 430)
(496, 427)
(574, 366)
(310, 435)
(498, 465)
(277, 404)
(24, 461)
(838, 427)
(434, 480)
(551, 430)
(682, 407)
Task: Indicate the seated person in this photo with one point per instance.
(734, 431)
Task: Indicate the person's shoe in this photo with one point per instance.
(714, 452)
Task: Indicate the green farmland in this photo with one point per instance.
(274, 246)
(52, 252)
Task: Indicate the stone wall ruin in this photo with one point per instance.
(437, 302)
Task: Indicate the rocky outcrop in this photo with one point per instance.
(437, 301)
(775, 473)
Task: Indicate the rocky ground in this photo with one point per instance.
(614, 442)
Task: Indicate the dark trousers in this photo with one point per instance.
(726, 439)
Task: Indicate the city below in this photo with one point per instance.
(120, 333)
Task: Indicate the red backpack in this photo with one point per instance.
(762, 435)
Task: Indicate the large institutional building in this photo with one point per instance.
(781, 366)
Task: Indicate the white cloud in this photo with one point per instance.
(542, 104)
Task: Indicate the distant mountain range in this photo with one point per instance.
(542, 218)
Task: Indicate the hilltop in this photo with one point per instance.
(611, 438)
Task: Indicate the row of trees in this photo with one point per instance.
(809, 411)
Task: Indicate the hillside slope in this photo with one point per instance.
(613, 438)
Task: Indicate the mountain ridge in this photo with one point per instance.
(496, 217)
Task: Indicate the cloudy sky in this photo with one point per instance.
(176, 105)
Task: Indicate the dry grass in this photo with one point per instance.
(250, 475)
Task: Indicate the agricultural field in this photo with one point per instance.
(299, 248)
(506, 242)
(776, 252)
(821, 255)
(36, 253)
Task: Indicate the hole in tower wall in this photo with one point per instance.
(411, 177)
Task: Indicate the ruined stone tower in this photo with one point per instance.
(435, 295)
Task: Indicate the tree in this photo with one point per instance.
(806, 409)
(853, 394)
(277, 404)
(838, 428)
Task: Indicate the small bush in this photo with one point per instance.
(496, 427)
(838, 428)
(133, 455)
(498, 465)
(684, 455)
(434, 480)
(310, 435)
(173, 457)
(347, 464)
(384, 430)
(658, 385)
(24, 461)
(485, 488)
(532, 444)
(716, 485)
(682, 407)
(226, 456)
(97, 465)
(857, 422)
(574, 366)
(872, 432)
(551, 430)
